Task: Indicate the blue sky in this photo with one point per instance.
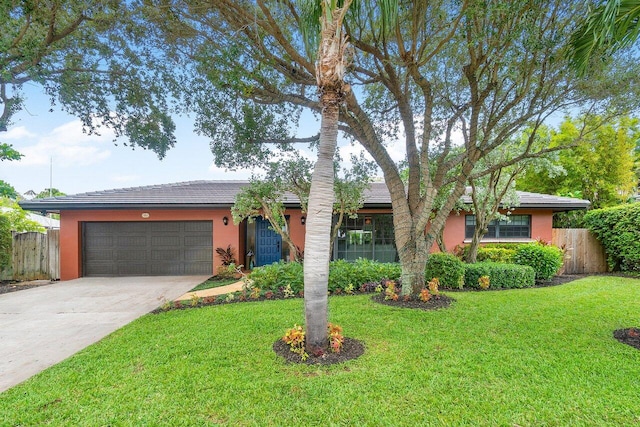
(84, 162)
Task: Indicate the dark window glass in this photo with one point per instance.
(514, 227)
(367, 236)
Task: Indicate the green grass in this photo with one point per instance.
(213, 282)
(534, 357)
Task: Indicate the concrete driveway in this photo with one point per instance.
(42, 326)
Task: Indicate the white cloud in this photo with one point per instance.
(17, 133)
(67, 145)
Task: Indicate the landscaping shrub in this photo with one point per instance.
(546, 260)
(447, 268)
(344, 273)
(496, 252)
(278, 275)
(501, 276)
(618, 229)
(344, 276)
(503, 255)
(6, 241)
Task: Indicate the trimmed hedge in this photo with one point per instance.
(6, 242)
(501, 276)
(546, 260)
(503, 255)
(618, 229)
(342, 273)
(447, 268)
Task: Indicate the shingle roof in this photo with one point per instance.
(208, 194)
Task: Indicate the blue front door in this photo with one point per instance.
(268, 244)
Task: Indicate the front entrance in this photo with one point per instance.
(268, 243)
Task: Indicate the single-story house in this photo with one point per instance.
(174, 229)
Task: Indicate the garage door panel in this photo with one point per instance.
(93, 241)
(197, 226)
(166, 255)
(193, 269)
(124, 255)
(191, 255)
(166, 241)
(147, 248)
(132, 269)
(167, 227)
(129, 241)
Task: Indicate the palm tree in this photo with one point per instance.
(610, 27)
(330, 69)
(331, 64)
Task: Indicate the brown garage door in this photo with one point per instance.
(167, 248)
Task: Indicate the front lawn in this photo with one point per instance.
(526, 357)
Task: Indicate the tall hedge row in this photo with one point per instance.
(6, 242)
(618, 229)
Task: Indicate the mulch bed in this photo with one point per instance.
(435, 303)
(6, 287)
(629, 336)
(351, 349)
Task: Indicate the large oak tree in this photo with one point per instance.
(449, 74)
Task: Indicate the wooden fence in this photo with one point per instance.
(35, 256)
(584, 253)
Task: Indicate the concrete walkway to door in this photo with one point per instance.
(42, 326)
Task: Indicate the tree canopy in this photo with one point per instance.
(450, 74)
(600, 168)
(93, 60)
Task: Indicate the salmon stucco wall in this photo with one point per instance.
(71, 231)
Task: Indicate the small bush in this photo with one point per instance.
(344, 273)
(504, 255)
(501, 276)
(278, 275)
(447, 268)
(546, 260)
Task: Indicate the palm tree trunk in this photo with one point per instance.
(318, 233)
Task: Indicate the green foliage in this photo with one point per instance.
(94, 61)
(344, 273)
(344, 276)
(7, 190)
(611, 26)
(504, 255)
(447, 268)
(546, 260)
(278, 275)
(495, 252)
(6, 241)
(618, 229)
(6, 150)
(49, 192)
(501, 276)
(19, 218)
(570, 219)
(600, 168)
